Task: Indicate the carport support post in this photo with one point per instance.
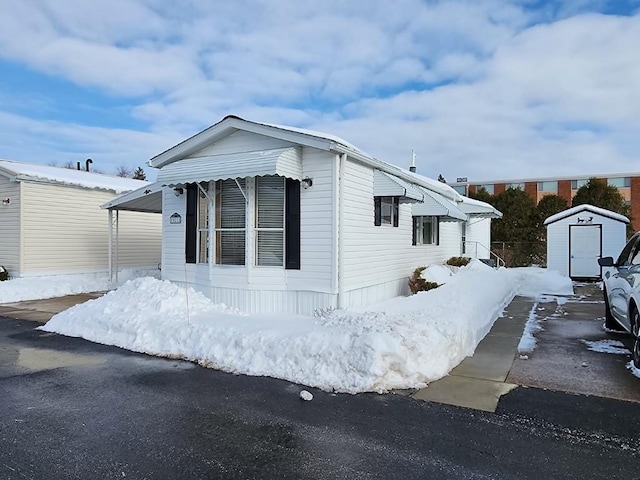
(110, 245)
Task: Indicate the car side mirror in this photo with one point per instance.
(606, 262)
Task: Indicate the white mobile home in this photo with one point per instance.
(579, 236)
(51, 222)
(269, 218)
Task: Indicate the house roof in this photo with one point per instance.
(322, 141)
(31, 172)
(478, 208)
(588, 208)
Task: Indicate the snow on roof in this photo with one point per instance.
(582, 208)
(66, 176)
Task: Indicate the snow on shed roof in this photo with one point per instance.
(586, 207)
(65, 176)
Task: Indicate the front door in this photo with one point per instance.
(585, 248)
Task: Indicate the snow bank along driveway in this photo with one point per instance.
(402, 343)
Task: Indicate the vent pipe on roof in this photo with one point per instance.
(412, 168)
(86, 164)
(78, 165)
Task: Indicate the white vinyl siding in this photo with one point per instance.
(10, 226)
(66, 231)
(378, 261)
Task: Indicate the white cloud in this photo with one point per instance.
(477, 88)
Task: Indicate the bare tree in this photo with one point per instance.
(70, 164)
(123, 171)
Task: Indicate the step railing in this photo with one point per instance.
(478, 250)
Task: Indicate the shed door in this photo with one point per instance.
(585, 247)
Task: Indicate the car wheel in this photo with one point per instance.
(635, 329)
(609, 322)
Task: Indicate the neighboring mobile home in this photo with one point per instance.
(51, 222)
(276, 219)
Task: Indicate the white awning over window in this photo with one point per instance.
(478, 209)
(286, 162)
(435, 205)
(386, 185)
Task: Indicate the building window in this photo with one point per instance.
(203, 225)
(576, 184)
(489, 187)
(515, 186)
(270, 221)
(461, 189)
(548, 186)
(619, 182)
(425, 231)
(230, 223)
(386, 210)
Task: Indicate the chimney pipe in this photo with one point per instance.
(412, 168)
(86, 164)
(78, 165)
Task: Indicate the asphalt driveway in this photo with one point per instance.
(72, 409)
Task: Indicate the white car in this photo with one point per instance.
(622, 293)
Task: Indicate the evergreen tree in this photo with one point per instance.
(482, 195)
(441, 178)
(518, 229)
(598, 193)
(550, 205)
(138, 174)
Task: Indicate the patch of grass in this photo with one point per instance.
(458, 261)
(419, 284)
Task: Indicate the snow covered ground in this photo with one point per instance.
(405, 342)
(35, 288)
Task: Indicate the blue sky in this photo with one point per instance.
(484, 89)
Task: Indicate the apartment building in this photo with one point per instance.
(628, 184)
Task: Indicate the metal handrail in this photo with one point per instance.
(499, 261)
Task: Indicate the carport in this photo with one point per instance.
(146, 199)
(579, 236)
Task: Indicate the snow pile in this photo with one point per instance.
(528, 340)
(402, 343)
(534, 281)
(36, 288)
(606, 346)
(439, 274)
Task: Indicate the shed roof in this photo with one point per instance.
(589, 208)
(18, 171)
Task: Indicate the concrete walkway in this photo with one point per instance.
(42, 310)
(480, 380)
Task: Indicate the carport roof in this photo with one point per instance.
(144, 199)
(589, 208)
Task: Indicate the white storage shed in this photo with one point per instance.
(579, 236)
(52, 223)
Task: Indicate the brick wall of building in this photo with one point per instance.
(498, 188)
(564, 190)
(532, 190)
(635, 203)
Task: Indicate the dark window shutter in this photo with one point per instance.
(292, 224)
(191, 223)
(436, 225)
(396, 211)
(377, 211)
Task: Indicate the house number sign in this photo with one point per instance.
(175, 218)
